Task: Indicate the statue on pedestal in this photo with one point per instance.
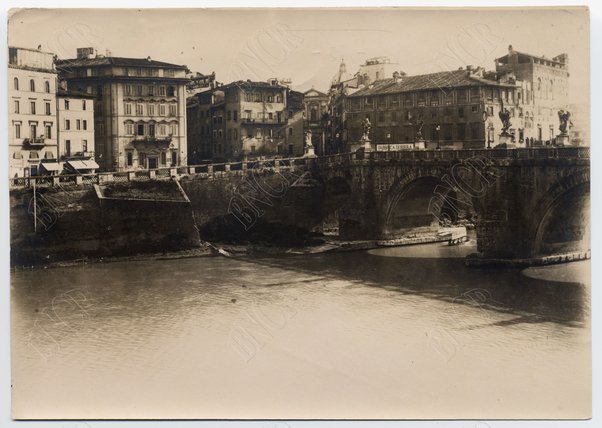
(419, 126)
(565, 120)
(308, 139)
(309, 147)
(505, 118)
(366, 125)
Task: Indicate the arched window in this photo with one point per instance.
(16, 82)
(32, 85)
(47, 86)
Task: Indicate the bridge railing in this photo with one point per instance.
(203, 170)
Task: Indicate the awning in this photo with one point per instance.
(82, 164)
(52, 166)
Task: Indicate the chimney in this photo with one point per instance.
(148, 58)
(510, 49)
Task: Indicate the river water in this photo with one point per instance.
(406, 332)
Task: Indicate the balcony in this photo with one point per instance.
(34, 143)
(155, 142)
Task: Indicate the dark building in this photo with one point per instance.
(245, 118)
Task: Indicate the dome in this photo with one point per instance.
(342, 75)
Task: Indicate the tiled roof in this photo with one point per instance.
(443, 79)
(248, 84)
(117, 61)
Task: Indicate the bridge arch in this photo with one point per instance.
(419, 200)
(561, 221)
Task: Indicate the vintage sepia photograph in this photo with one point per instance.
(299, 213)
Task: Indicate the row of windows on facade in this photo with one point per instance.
(84, 146)
(258, 97)
(68, 105)
(32, 85)
(150, 109)
(32, 107)
(149, 90)
(463, 131)
(33, 131)
(150, 129)
(408, 115)
(246, 115)
(232, 134)
(150, 161)
(32, 155)
(79, 125)
(434, 98)
(149, 72)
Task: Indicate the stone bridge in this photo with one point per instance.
(524, 203)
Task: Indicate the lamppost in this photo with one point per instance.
(437, 129)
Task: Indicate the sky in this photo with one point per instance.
(307, 45)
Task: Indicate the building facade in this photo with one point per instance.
(75, 130)
(544, 90)
(316, 118)
(456, 109)
(139, 109)
(32, 111)
(244, 118)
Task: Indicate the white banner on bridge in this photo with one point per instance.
(394, 147)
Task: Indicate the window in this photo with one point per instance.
(162, 90)
(68, 147)
(67, 124)
(278, 98)
(48, 131)
(270, 99)
(163, 128)
(257, 98)
(161, 109)
(17, 130)
(163, 158)
(229, 115)
(66, 104)
(461, 112)
(290, 131)
(47, 86)
(83, 104)
(78, 124)
(151, 130)
(32, 107)
(235, 115)
(139, 110)
(16, 83)
(48, 109)
(85, 125)
(139, 90)
(151, 109)
(140, 129)
(127, 89)
(173, 110)
(173, 129)
(151, 90)
(474, 108)
(16, 106)
(129, 129)
(130, 158)
(174, 158)
(171, 91)
(32, 85)
(84, 145)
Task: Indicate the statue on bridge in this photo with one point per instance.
(309, 147)
(565, 121)
(505, 118)
(366, 125)
(308, 142)
(419, 127)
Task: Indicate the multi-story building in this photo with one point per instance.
(243, 118)
(456, 109)
(316, 118)
(375, 69)
(543, 92)
(32, 111)
(75, 118)
(139, 108)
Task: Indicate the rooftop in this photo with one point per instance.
(443, 79)
(116, 61)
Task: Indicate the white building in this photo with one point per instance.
(32, 111)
